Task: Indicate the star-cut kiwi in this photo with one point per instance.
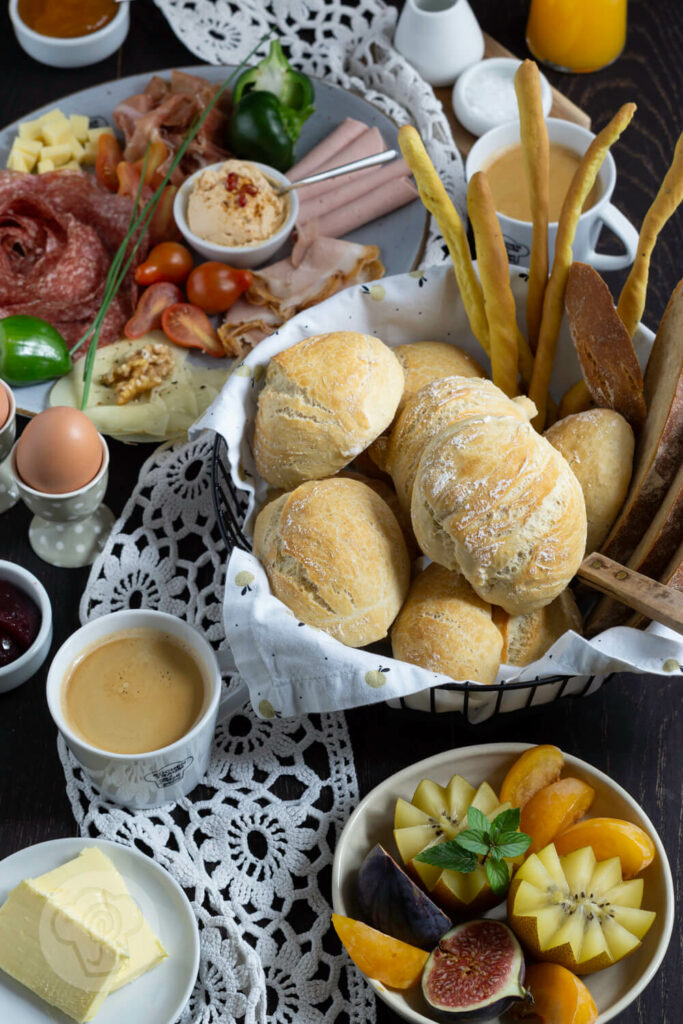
(577, 911)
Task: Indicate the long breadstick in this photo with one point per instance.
(438, 203)
(536, 157)
(499, 302)
(553, 301)
(632, 299)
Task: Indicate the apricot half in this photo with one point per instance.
(559, 997)
(533, 770)
(553, 809)
(394, 963)
(610, 837)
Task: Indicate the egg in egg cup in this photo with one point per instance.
(9, 493)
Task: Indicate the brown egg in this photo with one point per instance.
(60, 451)
(4, 404)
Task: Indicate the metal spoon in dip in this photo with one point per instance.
(334, 172)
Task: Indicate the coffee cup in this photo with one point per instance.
(142, 780)
(517, 233)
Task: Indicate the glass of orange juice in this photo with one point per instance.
(576, 35)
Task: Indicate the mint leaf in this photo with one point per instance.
(506, 821)
(495, 854)
(477, 820)
(512, 844)
(498, 875)
(449, 856)
(473, 840)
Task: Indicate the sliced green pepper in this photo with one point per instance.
(31, 350)
(274, 74)
(258, 131)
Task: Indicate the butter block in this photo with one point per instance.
(30, 130)
(80, 123)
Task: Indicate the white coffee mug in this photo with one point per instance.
(517, 233)
(167, 774)
(440, 38)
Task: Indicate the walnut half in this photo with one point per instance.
(145, 369)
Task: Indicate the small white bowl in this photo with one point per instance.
(614, 988)
(74, 52)
(480, 115)
(235, 255)
(18, 671)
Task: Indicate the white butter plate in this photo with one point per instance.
(159, 996)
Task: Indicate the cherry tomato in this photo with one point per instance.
(158, 152)
(151, 304)
(162, 227)
(190, 327)
(108, 157)
(214, 286)
(168, 261)
(127, 178)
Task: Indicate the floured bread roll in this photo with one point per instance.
(335, 555)
(325, 399)
(494, 500)
(598, 445)
(527, 637)
(434, 407)
(445, 627)
(425, 361)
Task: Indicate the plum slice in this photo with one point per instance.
(391, 902)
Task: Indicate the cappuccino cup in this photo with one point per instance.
(517, 234)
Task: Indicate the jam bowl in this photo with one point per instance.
(17, 671)
(71, 51)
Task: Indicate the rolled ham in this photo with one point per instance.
(342, 136)
(367, 144)
(358, 186)
(385, 199)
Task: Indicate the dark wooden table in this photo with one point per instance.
(632, 728)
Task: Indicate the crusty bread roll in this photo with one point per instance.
(598, 445)
(445, 627)
(434, 407)
(335, 555)
(325, 399)
(388, 494)
(425, 361)
(494, 500)
(527, 637)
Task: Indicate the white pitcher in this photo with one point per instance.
(440, 38)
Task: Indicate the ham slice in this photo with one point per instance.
(357, 186)
(245, 325)
(334, 143)
(380, 201)
(367, 144)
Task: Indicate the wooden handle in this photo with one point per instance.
(653, 599)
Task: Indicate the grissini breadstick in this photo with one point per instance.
(553, 300)
(576, 399)
(536, 157)
(632, 299)
(437, 202)
(494, 272)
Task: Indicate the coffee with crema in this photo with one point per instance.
(506, 178)
(135, 692)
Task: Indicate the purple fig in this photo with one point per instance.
(475, 973)
(391, 902)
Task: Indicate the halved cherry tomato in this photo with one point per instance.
(128, 179)
(162, 227)
(108, 157)
(158, 152)
(168, 261)
(190, 327)
(151, 304)
(215, 286)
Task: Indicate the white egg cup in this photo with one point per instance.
(68, 530)
(9, 492)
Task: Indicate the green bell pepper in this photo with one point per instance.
(258, 131)
(275, 75)
(31, 350)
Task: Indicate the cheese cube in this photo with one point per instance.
(59, 154)
(30, 130)
(44, 166)
(80, 123)
(94, 133)
(52, 115)
(57, 131)
(18, 161)
(77, 150)
(70, 165)
(30, 159)
(89, 153)
(31, 147)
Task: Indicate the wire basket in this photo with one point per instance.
(469, 699)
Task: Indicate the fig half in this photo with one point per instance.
(475, 973)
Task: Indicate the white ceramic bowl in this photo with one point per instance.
(240, 255)
(479, 118)
(17, 672)
(8, 429)
(614, 988)
(77, 51)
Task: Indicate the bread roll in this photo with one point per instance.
(335, 555)
(425, 361)
(325, 399)
(598, 445)
(445, 627)
(434, 407)
(494, 500)
(388, 494)
(527, 637)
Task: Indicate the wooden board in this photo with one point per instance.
(562, 107)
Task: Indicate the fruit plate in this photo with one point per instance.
(157, 997)
(614, 988)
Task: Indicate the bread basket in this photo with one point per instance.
(417, 306)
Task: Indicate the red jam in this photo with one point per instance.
(19, 622)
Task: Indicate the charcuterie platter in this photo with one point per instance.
(399, 234)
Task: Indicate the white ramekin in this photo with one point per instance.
(77, 51)
(236, 255)
(17, 672)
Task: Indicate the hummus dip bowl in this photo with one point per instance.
(253, 255)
